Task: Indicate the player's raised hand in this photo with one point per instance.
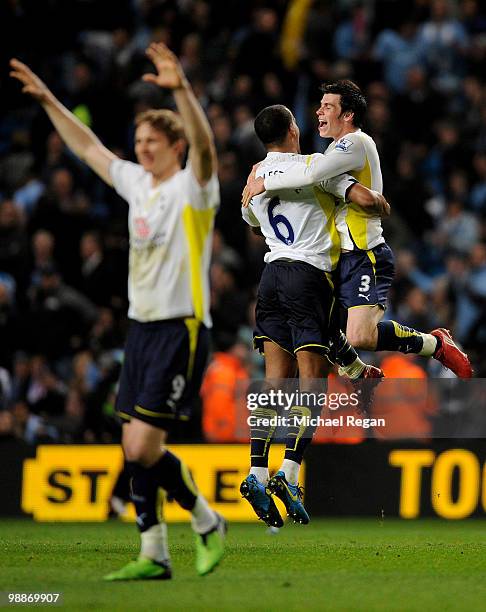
(32, 85)
(253, 187)
(169, 71)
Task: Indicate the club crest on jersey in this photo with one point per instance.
(344, 144)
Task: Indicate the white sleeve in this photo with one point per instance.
(339, 185)
(348, 154)
(124, 175)
(249, 217)
(206, 196)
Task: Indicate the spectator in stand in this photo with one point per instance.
(478, 191)
(30, 427)
(352, 36)
(417, 107)
(444, 43)
(46, 392)
(11, 332)
(476, 293)
(228, 306)
(97, 279)
(256, 53)
(13, 242)
(399, 52)
(60, 316)
(458, 230)
(223, 395)
(405, 402)
(43, 247)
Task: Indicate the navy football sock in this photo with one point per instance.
(144, 495)
(345, 354)
(393, 336)
(261, 432)
(173, 476)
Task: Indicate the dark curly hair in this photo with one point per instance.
(352, 99)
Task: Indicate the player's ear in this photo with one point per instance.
(180, 146)
(348, 116)
(293, 130)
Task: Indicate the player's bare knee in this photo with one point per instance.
(138, 452)
(361, 339)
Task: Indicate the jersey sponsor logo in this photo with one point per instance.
(142, 228)
(344, 144)
(366, 297)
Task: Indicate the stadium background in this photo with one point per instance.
(63, 237)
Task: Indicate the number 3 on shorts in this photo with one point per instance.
(365, 283)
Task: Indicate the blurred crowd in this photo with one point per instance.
(63, 234)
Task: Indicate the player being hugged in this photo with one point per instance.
(170, 219)
(366, 266)
(295, 322)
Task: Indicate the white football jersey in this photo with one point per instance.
(297, 224)
(355, 154)
(170, 229)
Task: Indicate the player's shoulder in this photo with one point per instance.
(187, 175)
(275, 162)
(125, 167)
(354, 141)
(128, 177)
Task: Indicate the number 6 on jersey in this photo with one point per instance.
(276, 220)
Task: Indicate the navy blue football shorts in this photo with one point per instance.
(162, 371)
(364, 277)
(294, 307)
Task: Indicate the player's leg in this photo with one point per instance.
(308, 304)
(163, 369)
(149, 464)
(272, 338)
(120, 494)
(142, 446)
(279, 364)
(313, 367)
(366, 277)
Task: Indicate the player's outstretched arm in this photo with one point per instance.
(79, 138)
(202, 152)
(317, 169)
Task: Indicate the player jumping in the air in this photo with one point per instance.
(366, 265)
(294, 311)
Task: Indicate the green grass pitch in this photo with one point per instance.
(332, 564)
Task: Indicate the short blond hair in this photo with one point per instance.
(163, 120)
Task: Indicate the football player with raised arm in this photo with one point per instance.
(366, 265)
(294, 311)
(170, 218)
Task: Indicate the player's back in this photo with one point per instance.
(297, 224)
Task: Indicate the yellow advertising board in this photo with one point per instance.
(74, 483)
(458, 463)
